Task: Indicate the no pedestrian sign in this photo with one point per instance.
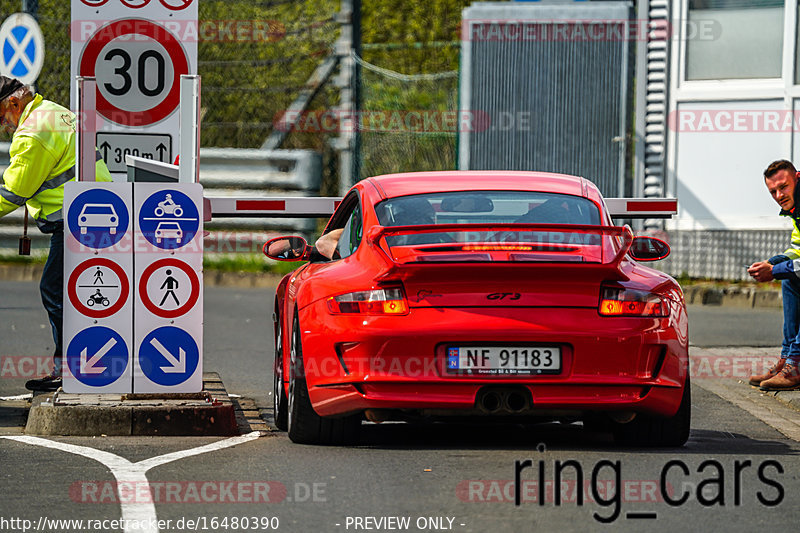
(169, 288)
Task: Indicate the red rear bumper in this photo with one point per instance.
(354, 363)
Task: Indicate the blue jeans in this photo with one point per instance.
(791, 320)
(52, 289)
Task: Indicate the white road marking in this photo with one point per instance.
(125, 471)
(15, 398)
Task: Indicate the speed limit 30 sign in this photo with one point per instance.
(138, 65)
(137, 50)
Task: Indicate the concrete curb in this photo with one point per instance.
(789, 397)
(733, 296)
(208, 413)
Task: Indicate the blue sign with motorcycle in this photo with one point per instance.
(97, 356)
(169, 219)
(168, 356)
(98, 218)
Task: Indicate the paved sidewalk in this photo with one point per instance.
(725, 372)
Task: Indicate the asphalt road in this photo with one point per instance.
(741, 473)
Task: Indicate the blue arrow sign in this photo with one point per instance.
(169, 219)
(97, 356)
(98, 218)
(168, 356)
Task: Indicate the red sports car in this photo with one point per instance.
(486, 295)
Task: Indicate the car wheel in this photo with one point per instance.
(305, 425)
(658, 431)
(280, 401)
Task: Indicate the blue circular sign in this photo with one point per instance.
(169, 219)
(21, 48)
(97, 356)
(98, 218)
(168, 356)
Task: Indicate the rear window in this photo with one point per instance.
(488, 209)
(498, 207)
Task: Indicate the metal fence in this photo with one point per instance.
(720, 254)
(550, 103)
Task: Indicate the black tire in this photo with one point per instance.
(652, 431)
(280, 401)
(304, 424)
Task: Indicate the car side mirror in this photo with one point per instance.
(649, 249)
(292, 248)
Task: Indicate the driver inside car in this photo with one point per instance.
(401, 212)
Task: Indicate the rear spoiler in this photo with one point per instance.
(376, 233)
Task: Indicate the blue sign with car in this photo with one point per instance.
(168, 356)
(169, 219)
(97, 356)
(98, 218)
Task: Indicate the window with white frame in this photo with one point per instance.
(734, 39)
(797, 50)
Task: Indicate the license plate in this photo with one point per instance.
(503, 360)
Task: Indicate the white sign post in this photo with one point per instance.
(169, 280)
(98, 287)
(137, 51)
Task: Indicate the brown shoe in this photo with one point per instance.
(756, 379)
(788, 379)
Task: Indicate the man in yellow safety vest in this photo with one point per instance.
(42, 161)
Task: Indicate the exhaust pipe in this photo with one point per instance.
(622, 417)
(499, 400)
(515, 402)
(376, 415)
(491, 402)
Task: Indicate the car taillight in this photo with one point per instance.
(615, 301)
(374, 302)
